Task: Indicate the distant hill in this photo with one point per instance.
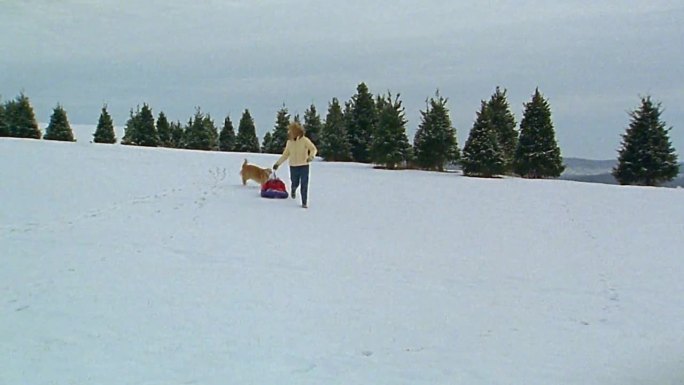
(599, 171)
(579, 166)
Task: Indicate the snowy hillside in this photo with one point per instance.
(124, 265)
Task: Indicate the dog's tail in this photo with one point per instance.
(243, 166)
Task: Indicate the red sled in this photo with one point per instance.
(274, 188)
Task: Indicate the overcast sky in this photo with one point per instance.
(592, 60)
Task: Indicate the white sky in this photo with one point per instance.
(592, 60)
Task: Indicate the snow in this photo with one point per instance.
(125, 265)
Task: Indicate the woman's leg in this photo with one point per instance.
(295, 177)
(305, 184)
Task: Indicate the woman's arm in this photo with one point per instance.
(286, 154)
(312, 148)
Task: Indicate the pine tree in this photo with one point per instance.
(164, 130)
(130, 128)
(503, 122)
(104, 133)
(363, 120)
(4, 127)
(334, 141)
(481, 153)
(140, 128)
(246, 140)
(227, 136)
(435, 143)
(267, 144)
(21, 120)
(200, 133)
(646, 156)
(59, 127)
(211, 129)
(537, 154)
(194, 136)
(313, 125)
(146, 132)
(347, 117)
(279, 135)
(390, 145)
(177, 134)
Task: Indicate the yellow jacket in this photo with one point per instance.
(298, 152)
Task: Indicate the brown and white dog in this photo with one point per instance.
(255, 173)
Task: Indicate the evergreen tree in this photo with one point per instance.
(146, 132)
(130, 127)
(164, 130)
(362, 123)
(104, 133)
(435, 143)
(312, 125)
(267, 144)
(279, 135)
(503, 122)
(537, 154)
(21, 120)
(177, 134)
(390, 145)
(194, 136)
(59, 127)
(481, 153)
(246, 140)
(334, 141)
(4, 127)
(227, 136)
(210, 127)
(347, 117)
(200, 133)
(646, 156)
(140, 129)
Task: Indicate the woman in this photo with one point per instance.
(299, 152)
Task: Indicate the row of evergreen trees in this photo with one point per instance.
(18, 120)
(373, 130)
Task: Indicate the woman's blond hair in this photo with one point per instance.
(295, 130)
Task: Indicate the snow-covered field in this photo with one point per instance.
(124, 265)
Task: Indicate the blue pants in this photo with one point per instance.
(300, 175)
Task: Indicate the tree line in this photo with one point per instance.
(372, 129)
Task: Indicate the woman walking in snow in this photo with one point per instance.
(299, 152)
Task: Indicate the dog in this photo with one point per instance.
(255, 173)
